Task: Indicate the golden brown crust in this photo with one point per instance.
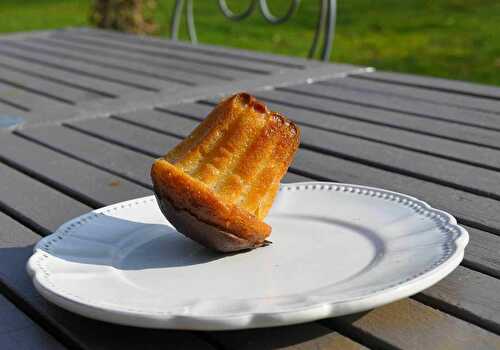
(188, 194)
(226, 174)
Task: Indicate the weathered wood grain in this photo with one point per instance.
(162, 122)
(437, 142)
(122, 162)
(40, 205)
(74, 63)
(93, 186)
(381, 335)
(195, 72)
(404, 121)
(100, 86)
(462, 101)
(147, 65)
(16, 246)
(186, 56)
(407, 324)
(435, 84)
(120, 133)
(471, 295)
(484, 248)
(482, 252)
(46, 108)
(396, 103)
(434, 145)
(451, 173)
(44, 87)
(304, 337)
(471, 209)
(205, 49)
(467, 206)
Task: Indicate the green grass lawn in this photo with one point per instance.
(457, 39)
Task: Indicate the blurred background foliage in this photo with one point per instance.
(135, 16)
(456, 39)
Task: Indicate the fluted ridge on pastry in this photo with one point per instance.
(240, 151)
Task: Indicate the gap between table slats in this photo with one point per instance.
(203, 49)
(174, 55)
(439, 84)
(100, 63)
(452, 99)
(411, 140)
(153, 142)
(82, 331)
(102, 159)
(18, 331)
(388, 103)
(372, 153)
(473, 330)
(425, 126)
(193, 72)
(16, 62)
(112, 74)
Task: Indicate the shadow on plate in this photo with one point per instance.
(143, 246)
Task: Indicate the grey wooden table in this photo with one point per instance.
(85, 112)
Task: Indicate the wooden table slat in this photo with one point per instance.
(309, 336)
(206, 49)
(109, 130)
(483, 335)
(48, 88)
(395, 159)
(450, 149)
(17, 331)
(418, 311)
(408, 324)
(16, 246)
(96, 85)
(186, 56)
(82, 181)
(431, 83)
(431, 138)
(39, 107)
(152, 66)
(465, 102)
(123, 69)
(423, 109)
(118, 132)
(471, 295)
(397, 120)
(11, 109)
(16, 187)
(78, 65)
(190, 71)
(129, 165)
(482, 252)
(471, 209)
(442, 200)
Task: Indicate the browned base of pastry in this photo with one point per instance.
(203, 233)
(218, 184)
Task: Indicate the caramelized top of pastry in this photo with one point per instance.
(227, 172)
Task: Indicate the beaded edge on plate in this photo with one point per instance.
(441, 219)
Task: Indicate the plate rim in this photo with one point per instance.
(246, 319)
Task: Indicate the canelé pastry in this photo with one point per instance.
(217, 186)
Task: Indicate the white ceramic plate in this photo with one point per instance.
(337, 249)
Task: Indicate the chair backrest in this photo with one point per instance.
(325, 25)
